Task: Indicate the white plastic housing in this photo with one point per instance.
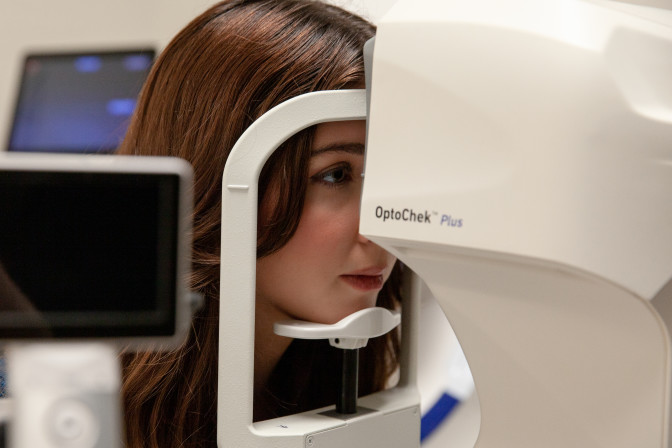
(64, 395)
(519, 159)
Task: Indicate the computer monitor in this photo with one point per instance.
(94, 246)
(77, 102)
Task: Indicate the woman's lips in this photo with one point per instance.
(364, 282)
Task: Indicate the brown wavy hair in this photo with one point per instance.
(223, 71)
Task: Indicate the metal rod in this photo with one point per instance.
(347, 396)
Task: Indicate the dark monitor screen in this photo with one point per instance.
(77, 102)
(87, 254)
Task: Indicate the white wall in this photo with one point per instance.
(46, 25)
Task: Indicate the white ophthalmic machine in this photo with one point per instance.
(519, 162)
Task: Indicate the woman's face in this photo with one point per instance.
(327, 270)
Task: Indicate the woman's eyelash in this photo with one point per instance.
(334, 176)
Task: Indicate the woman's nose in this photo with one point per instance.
(362, 239)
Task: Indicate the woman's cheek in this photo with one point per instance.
(320, 225)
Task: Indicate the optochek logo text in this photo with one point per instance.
(403, 215)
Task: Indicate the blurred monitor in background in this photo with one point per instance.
(77, 102)
(91, 251)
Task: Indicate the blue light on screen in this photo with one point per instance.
(137, 62)
(121, 107)
(88, 64)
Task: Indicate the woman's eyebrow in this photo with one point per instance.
(353, 148)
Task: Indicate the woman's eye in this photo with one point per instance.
(334, 176)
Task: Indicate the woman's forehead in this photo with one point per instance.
(339, 133)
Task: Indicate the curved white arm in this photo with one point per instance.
(239, 247)
(351, 332)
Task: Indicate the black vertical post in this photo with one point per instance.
(347, 396)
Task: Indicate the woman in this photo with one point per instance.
(224, 70)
